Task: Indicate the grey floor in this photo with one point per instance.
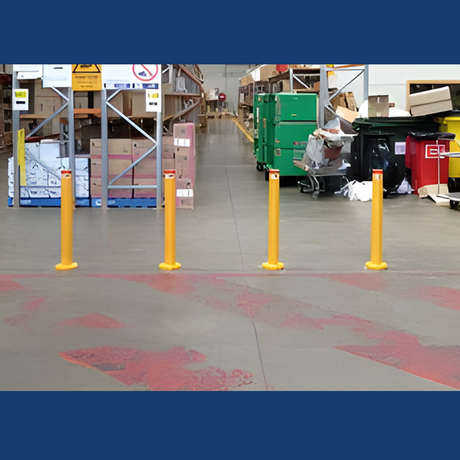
(118, 323)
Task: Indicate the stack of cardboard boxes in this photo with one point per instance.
(185, 159)
(178, 154)
(43, 166)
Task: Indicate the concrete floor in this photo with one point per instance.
(118, 323)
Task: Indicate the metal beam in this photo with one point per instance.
(159, 159)
(71, 141)
(16, 125)
(104, 151)
(134, 125)
(366, 82)
(146, 154)
(52, 117)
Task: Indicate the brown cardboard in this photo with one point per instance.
(351, 102)
(120, 147)
(145, 192)
(140, 147)
(168, 164)
(429, 97)
(116, 167)
(121, 102)
(268, 71)
(146, 169)
(347, 114)
(379, 106)
(168, 147)
(427, 109)
(430, 102)
(96, 188)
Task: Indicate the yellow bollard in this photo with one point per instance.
(66, 222)
(273, 222)
(170, 221)
(377, 222)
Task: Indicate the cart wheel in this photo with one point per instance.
(453, 204)
(315, 195)
(260, 166)
(267, 175)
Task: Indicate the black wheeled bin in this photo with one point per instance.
(399, 127)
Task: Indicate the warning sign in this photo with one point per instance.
(144, 72)
(86, 77)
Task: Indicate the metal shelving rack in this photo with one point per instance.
(194, 99)
(324, 97)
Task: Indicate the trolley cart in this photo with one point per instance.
(322, 157)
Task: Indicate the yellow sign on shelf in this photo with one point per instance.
(22, 156)
(86, 77)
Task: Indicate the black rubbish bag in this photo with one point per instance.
(381, 157)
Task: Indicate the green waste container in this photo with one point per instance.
(258, 148)
(296, 107)
(399, 127)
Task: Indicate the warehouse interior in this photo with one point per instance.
(222, 322)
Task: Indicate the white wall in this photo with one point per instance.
(225, 77)
(391, 79)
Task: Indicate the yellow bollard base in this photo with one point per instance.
(66, 267)
(165, 266)
(268, 266)
(372, 266)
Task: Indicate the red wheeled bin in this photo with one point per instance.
(425, 158)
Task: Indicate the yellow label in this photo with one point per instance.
(86, 77)
(21, 94)
(22, 156)
(86, 68)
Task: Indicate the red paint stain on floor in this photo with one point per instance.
(94, 320)
(393, 348)
(159, 371)
(404, 351)
(7, 284)
(22, 320)
(300, 321)
(368, 281)
(33, 304)
(442, 296)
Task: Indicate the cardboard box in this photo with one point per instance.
(119, 147)
(147, 192)
(80, 102)
(347, 114)
(429, 97)
(267, 71)
(116, 167)
(121, 102)
(427, 109)
(379, 106)
(96, 188)
(184, 131)
(168, 164)
(185, 164)
(168, 147)
(39, 91)
(184, 194)
(431, 102)
(46, 106)
(138, 106)
(140, 147)
(351, 102)
(146, 169)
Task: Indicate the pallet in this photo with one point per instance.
(47, 202)
(126, 203)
